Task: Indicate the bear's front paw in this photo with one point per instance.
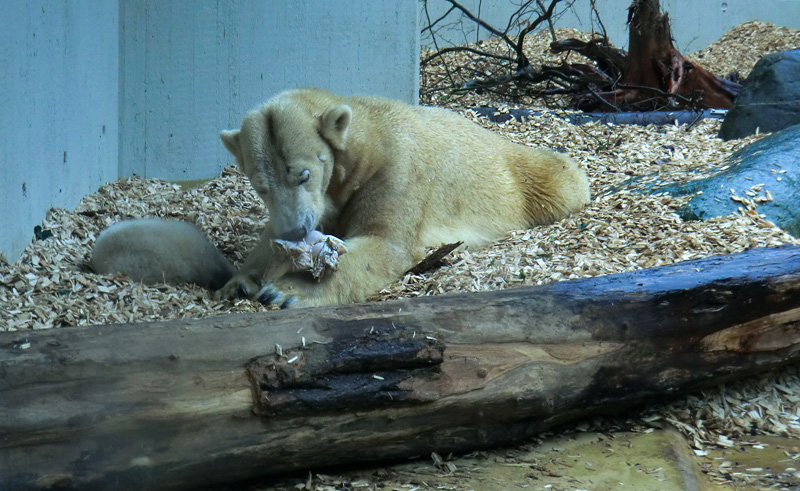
(270, 296)
(240, 286)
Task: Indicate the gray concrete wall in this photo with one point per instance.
(695, 24)
(58, 109)
(192, 68)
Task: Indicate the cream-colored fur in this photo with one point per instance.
(152, 250)
(388, 178)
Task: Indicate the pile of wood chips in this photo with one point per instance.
(621, 230)
(739, 49)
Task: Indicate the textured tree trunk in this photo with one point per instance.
(653, 61)
(189, 403)
(653, 75)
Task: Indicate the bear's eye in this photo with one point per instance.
(304, 177)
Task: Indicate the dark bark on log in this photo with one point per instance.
(189, 403)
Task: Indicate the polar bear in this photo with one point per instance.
(390, 180)
(154, 250)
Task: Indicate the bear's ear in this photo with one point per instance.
(333, 125)
(231, 140)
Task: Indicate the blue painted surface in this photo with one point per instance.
(59, 100)
(193, 68)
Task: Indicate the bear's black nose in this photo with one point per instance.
(295, 235)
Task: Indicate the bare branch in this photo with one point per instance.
(599, 20)
(431, 25)
(547, 14)
(467, 49)
(522, 60)
(602, 99)
(616, 80)
(517, 15)
(435, 44)
(549, 21)
(481, 22)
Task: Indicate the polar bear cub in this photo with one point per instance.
(153, 250)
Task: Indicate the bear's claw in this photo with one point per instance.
(269, 296)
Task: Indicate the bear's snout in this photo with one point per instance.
(295, 235)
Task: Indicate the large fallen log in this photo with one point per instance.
(189, 403)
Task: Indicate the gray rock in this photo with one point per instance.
(769, 100)
(764, 162)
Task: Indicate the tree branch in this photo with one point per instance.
(432, 24)
(455, 49)
(549, 21)
(481, 22)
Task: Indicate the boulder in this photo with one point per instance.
(769, 100)
(773, 161)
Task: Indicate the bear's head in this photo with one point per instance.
(287, 152)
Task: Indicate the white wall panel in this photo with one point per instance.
(191, 69)
(58, 109)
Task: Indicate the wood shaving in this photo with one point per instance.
(49, 287)
(621, 230)
(752, 40)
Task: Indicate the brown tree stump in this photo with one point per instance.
(653, 75)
